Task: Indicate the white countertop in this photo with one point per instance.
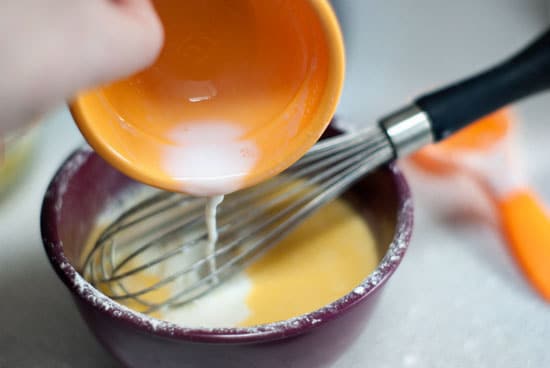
(460, 300)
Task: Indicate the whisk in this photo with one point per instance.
(153, 255)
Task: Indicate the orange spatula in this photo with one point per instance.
(485, 152)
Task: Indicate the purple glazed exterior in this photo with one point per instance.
(78, 193)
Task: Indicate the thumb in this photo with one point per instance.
(125, 36)
(52, 49)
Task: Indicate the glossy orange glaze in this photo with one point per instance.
(272, 69)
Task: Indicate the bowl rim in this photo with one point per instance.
(80, 288)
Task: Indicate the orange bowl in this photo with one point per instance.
(241, 90)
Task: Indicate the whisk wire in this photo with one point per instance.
(170, 227)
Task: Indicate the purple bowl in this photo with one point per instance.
(85, 184)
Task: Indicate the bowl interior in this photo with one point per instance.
(86, 185)
(86, 198)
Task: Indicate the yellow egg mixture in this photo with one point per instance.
(323, 259)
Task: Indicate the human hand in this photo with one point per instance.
(50, 49)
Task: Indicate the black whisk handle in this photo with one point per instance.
(453, 107)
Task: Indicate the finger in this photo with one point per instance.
(53, 48)
(122, 37)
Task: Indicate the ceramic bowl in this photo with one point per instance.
(256, 83)
(85, 184)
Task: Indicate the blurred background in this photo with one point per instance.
(457, 301)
